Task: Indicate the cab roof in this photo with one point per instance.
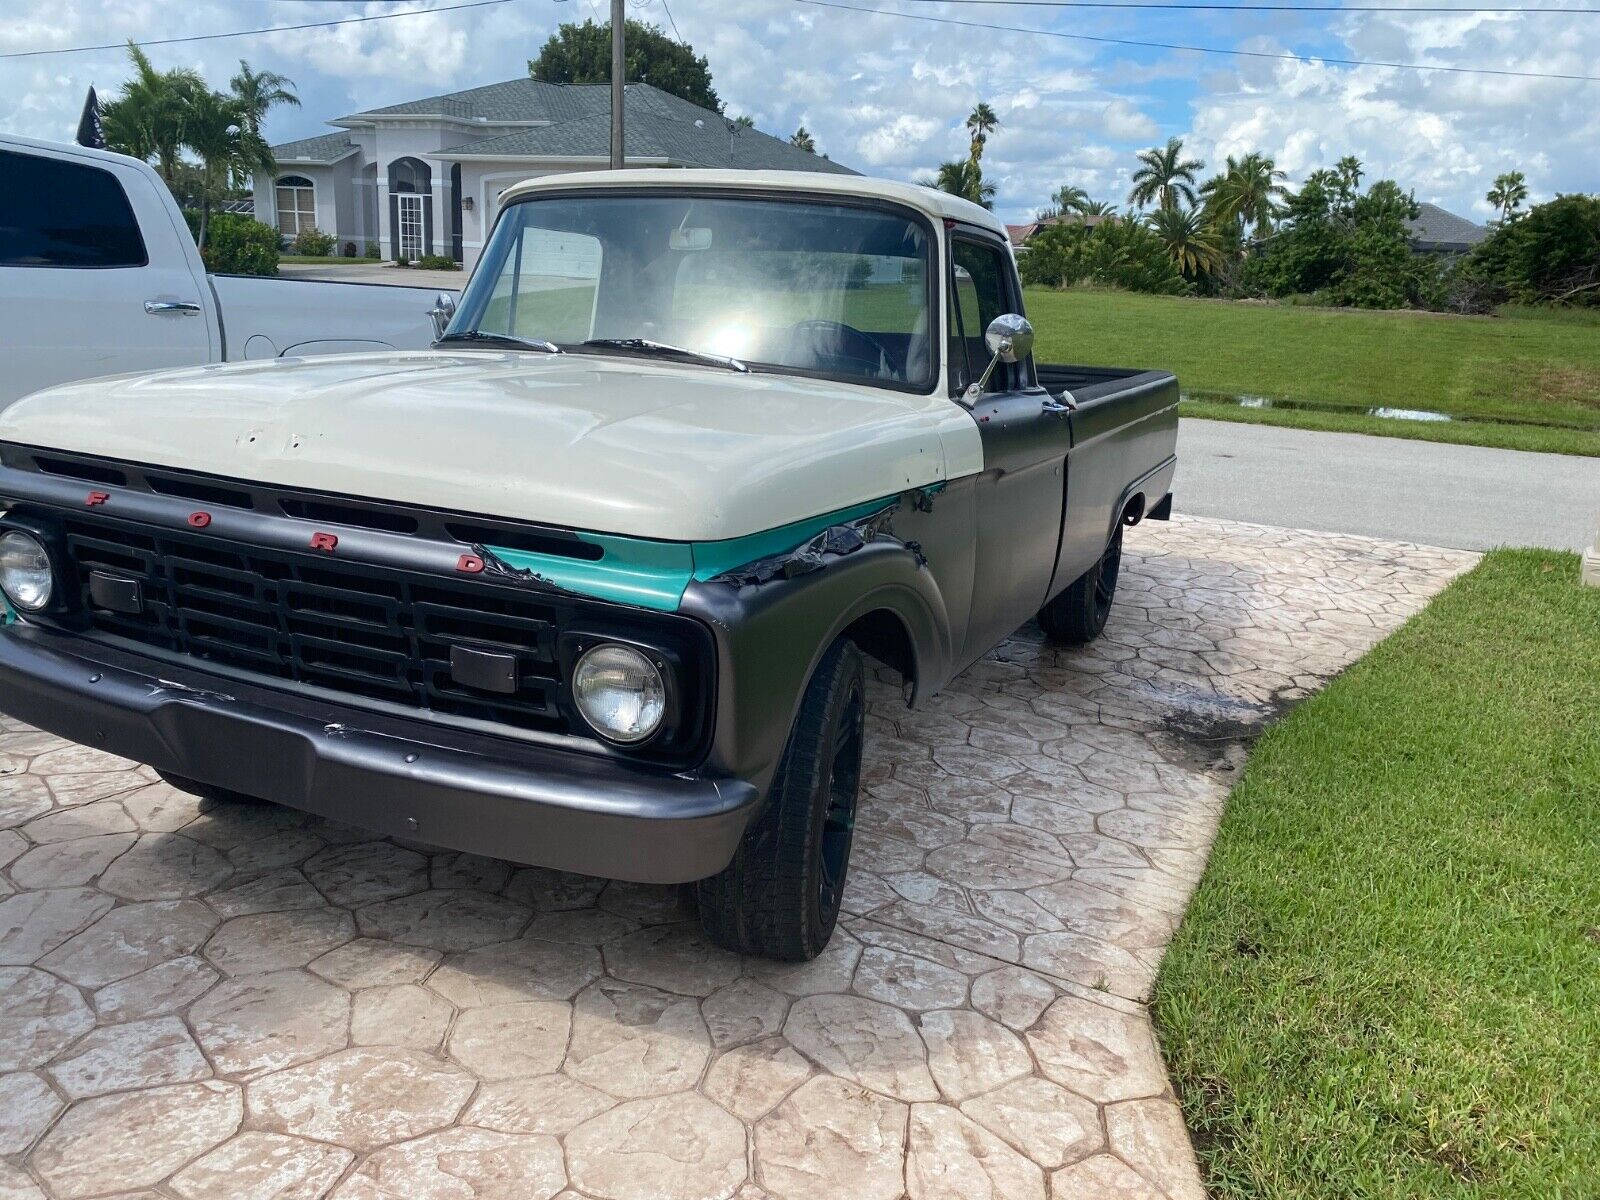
(930, 201)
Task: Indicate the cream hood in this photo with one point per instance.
(613, 445)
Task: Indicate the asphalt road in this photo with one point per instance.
(1467, 497)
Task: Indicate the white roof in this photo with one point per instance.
(934, 203)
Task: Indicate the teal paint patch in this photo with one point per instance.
(653, 574)
(630, 571)
(714, 558)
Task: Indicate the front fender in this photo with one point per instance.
(771, 635)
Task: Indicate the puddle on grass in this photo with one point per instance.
(1245, 400)
(1383, 412)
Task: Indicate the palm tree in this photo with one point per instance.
(1249, 192)
(1069, 198)
(962, 177)
(146, 118)
(1165, 176)
(259, 91)
(216, 128)
(1098, 208)
(980, 125)
(1508, 193)
(802, 138)
(1190, 241)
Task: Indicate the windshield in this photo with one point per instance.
(835, 290)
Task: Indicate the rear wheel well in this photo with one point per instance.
(883, 636)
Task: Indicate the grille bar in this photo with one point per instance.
(363, 630)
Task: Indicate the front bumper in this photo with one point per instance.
(412, 779)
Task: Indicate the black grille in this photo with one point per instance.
(359, 630)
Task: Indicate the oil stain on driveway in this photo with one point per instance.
(249, 1002)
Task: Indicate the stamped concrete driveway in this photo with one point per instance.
(247, 1002)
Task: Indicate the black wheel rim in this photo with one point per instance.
(1105, 583)
(839, 821)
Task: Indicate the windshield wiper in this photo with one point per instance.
(646, 346)
(481, 338)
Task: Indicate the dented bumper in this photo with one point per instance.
(406, 778)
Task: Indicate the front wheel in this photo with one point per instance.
(779, 897)
(1077, 615)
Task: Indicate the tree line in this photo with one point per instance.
(1244, 233)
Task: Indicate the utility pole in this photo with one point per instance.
(618, 61)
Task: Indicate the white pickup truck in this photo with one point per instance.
(99, 275)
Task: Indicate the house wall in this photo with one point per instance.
(335, 197)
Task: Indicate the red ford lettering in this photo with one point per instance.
(94, 498)
(324, 541)
(469, 564)
(199, 519)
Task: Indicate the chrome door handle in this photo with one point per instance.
(1052, 405)
(165, 308)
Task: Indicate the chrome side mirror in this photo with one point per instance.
(444, 307)
(1010, 340)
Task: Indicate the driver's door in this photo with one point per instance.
(1025, 442)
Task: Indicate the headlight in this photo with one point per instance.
(25, 573)
(619, 692)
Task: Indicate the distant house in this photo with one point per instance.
(1435, 231)
(1019, 234)
(425, 177)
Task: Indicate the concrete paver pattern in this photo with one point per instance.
(248, 1002)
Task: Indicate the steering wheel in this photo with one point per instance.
(825, 340)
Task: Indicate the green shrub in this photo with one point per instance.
(236, 244)
(1550, 256)
(372, 250)
(437, 262)
(1124, 254)
(312, 243)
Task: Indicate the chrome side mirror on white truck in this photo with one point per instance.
(1010, 339)
(444, 307)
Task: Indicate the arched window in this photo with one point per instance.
(409, 175)
(297, 204)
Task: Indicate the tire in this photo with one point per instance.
(210, 795)
(779, 897)
(1077, 615)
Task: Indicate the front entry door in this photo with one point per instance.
(410, 226)
(1025, 444)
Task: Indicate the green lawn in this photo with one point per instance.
(327, 260)
(1525, 382)
(1388, 984)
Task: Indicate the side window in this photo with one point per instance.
(64, 214)
(980, 295)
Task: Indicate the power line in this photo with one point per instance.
(1184, 5)
(212, 37)
(1112, 41)
(673, 23)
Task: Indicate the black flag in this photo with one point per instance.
(89, 131)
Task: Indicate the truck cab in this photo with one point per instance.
(593, 583)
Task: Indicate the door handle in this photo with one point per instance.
(168, 308)
(1052, 405)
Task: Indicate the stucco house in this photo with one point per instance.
(425, 177)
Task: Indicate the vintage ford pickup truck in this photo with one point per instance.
(591, 584)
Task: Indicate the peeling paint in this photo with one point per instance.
(813, 554)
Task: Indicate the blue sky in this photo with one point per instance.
(888, 95)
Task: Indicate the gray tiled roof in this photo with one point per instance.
(330, 147)
(658, 126)
(1436, 228)
(574, 121)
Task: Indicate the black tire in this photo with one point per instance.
(1077, 615)
(779, 897)
(209, 794)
